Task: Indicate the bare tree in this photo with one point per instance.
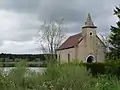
(51, 35)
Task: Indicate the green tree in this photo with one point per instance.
(115, 37)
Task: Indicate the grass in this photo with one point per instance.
(70, 76)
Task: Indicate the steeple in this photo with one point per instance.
(89, 22)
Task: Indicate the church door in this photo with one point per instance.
(90, 59)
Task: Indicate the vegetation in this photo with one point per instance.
(51, 36)
(115, 38)
(28, 57)
(33, 60)
(72, 76)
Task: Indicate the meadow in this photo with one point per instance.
(69, 76)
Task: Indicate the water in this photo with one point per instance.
(33, 69)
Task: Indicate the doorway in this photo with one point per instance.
(90, 59)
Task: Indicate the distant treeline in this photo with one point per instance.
(29, 57)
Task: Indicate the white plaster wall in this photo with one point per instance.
(64, 54)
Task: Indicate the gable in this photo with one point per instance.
(100, 41)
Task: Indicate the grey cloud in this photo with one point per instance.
(18, 27)
(20, 5)
(19, 47)
(76, 12)
(31, 13)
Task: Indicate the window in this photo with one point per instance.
(90, 33)
(68, 58)
(59, 58)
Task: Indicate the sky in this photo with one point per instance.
(20, 20)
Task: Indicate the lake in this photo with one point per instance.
(33, 69)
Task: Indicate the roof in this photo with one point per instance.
(89, 22)
(71, 41)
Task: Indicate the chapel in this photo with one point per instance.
(85, 46)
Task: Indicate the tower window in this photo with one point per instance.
(90, 33)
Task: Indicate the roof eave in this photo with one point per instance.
(64, 48)
(89, 27)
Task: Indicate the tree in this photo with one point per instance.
(115, 37)
(51, 35)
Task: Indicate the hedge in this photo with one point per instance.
(103, 68)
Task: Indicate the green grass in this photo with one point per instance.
(70, 76)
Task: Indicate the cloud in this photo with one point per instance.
(20, 20)
(19, 47)
(20, 5)
(18, 27)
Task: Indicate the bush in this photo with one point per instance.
(103, 68)
(68, 77)
(95, 68)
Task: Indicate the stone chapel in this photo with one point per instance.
(85, 46)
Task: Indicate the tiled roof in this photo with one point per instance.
(71, 41)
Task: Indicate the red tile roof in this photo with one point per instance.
(71, 41)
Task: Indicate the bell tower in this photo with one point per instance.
(88, 26)
(89, 34)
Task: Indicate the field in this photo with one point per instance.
(72, 76)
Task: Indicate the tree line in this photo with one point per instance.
(28, 57)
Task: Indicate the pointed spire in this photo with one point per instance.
(89, 22)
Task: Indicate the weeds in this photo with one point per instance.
(70, 76)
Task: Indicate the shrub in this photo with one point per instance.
(103, 68)
(68, 77)
(95, 68)
(106, 82)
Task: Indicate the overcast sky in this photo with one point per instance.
(20, 20)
